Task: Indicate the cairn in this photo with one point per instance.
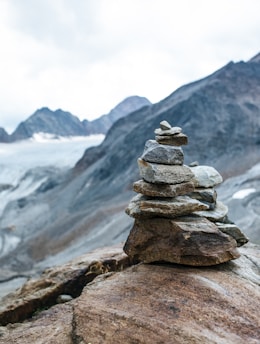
(177, 216)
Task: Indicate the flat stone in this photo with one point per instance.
(168, 132)
(206, 176)
(164, 174)
(162, 154)
(141, 206)
(188, 240)
(164, 125)
(232, 230)
(174, 140)
(217, 214)
(209, 196)
(162, 190)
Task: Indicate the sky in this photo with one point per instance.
(86, 56)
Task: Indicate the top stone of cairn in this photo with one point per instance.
(168, 135)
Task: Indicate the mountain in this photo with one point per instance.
(103, 123)
(53, 122)
(62, 123)
(4, 137)
(84, 210)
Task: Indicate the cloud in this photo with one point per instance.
(85, 56)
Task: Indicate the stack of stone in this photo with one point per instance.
(177, 216)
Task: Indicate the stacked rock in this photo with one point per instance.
(177, 216)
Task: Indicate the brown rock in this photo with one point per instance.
(175, 140)
(164, 174)
(141, 206)
(68, 279)
(155, 304)
(162, 190)
(188, 240)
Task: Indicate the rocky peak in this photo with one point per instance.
(4, 137)
(255, 59)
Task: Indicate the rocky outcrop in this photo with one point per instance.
(159, 303)
(183, 228)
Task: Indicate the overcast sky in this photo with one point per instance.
(85, 56)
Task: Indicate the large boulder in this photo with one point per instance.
(158, 303)
(188, 240)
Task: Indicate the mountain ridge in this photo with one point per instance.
(63, 123)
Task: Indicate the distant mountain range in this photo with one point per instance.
(84, 209)
(63, 123)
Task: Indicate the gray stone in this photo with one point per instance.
(206, 176)
(174, 140)
(141, 207)
(159, 173)
(209, 196)
(164, 125)
(64, 298)
(217, 214)
(188, 240)
(162, 154)
(232, 230)
(162, 190)
(168, 132)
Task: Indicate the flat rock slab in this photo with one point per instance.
(162, 190)
(232, 230)
(206, 176)
(169, 132)
(164, 174)
(217, 214)
(155, 303)
(141, 206)
(188, 240)
(162, 154)
(174, 140)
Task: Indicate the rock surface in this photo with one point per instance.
(206, 176)
(162, 190)
(141, 206)
(174, 140)
(188, 240)
(162, 154)
(166, 303)
(217, 214)
(168, 174)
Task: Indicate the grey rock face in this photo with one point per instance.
(162, 154)
(186, 240)
(169, 174)
(206, 176)
(162, 190)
